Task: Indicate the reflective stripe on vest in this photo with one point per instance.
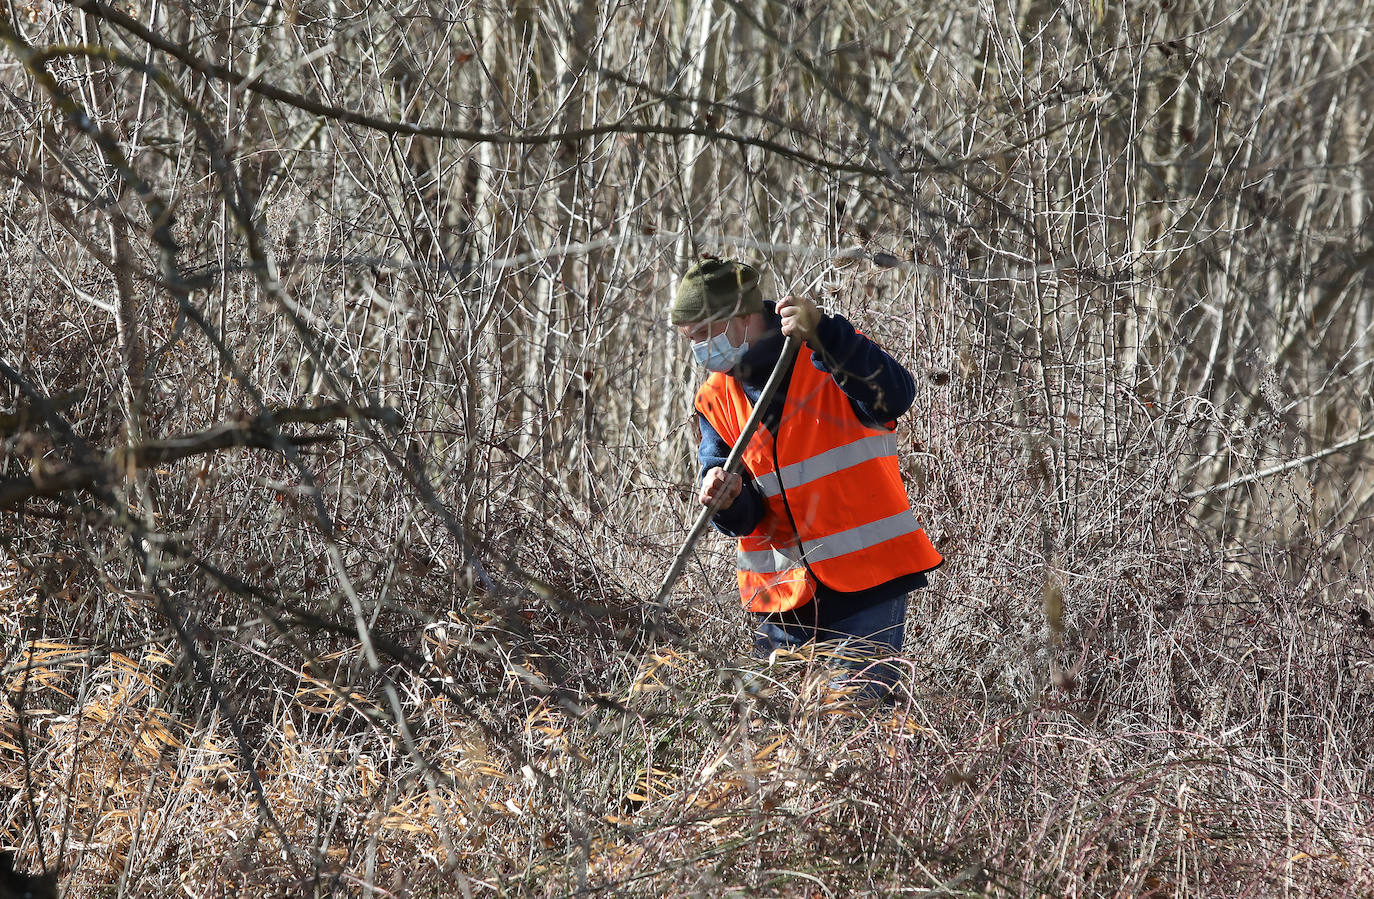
(865, 449)
(833, 546)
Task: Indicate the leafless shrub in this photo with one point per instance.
(343, 440)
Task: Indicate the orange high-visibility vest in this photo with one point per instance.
(837, 479)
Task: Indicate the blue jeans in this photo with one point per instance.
(861, 643)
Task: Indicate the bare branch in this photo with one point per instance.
(390, 126)
(257, 433)
(1286, 466)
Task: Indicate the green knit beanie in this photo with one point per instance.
(717, 289)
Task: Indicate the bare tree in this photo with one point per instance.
(344, 439)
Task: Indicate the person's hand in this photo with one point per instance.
(720, 483)
(799, 317)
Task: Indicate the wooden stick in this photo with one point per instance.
(732, 465)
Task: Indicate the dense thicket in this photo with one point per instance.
(344, 439)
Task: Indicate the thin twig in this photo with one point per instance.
(1280, 469)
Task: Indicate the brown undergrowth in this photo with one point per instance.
(1191, 746)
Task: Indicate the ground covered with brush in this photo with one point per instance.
(1199, 736)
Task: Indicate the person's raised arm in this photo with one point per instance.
(879, 388)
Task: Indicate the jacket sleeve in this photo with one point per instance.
(880, 389)
(744, 514)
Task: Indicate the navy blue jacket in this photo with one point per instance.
(880, 390)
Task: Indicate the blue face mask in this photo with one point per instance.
(718, 353)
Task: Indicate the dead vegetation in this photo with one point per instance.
(343, 440)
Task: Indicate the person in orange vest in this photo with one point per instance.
(828, 547)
